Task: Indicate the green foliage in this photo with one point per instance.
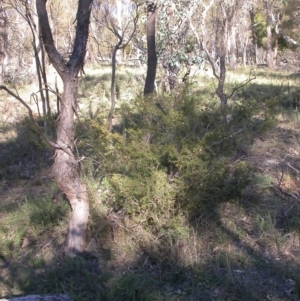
(260, 29)
(171, 153)
(261, 34)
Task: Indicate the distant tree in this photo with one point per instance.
(252, 12)
(176, 46)
(3, 43)
(151, 48)
(121, 20)
(270, 54)
(65, 164)
(39, 59)
(218, 39)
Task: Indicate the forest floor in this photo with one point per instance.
(244, 247)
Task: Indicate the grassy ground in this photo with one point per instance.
(187, 202)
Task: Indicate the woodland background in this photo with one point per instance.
(193, 185)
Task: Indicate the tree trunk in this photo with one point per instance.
(269, 48)
(151, 49)
(65, 170)
(269, 37)
(3, 45)
(221, 80)
(222, 55)
(254, 37)
(245, 46)
(65, 164)
(275, 52)
(112, 87)
(232, 43)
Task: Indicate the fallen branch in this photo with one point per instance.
(54, 297)
(295, 196)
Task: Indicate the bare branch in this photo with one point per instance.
(51, 143)
(242, 84)
(53, 54)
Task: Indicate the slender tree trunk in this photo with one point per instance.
(222, 54)
(269, 36)
(269, 48)
(254, 37)
(39, 55)
(3, 44)
(151, 49)
(232, 43)
(275, 52)
(221, 81)
(112, 87)
(44, 75)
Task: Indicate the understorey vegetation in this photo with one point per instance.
(189, 200)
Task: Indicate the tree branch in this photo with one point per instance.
(51, 143)
(55, 58)
(82, 32)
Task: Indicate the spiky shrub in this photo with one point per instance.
(175, 151)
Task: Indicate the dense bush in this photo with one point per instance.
(176, 151)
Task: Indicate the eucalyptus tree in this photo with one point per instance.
(215, 30)
(252, 13)
(15, 42)
(220, 13)
(151, 47)
(3, 42)
(121, 20)
(286, 22)
(65, 163)
(176, 44)
(269, 11)
(29, 16)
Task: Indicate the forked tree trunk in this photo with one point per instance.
(65, 164)
(151, 49)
